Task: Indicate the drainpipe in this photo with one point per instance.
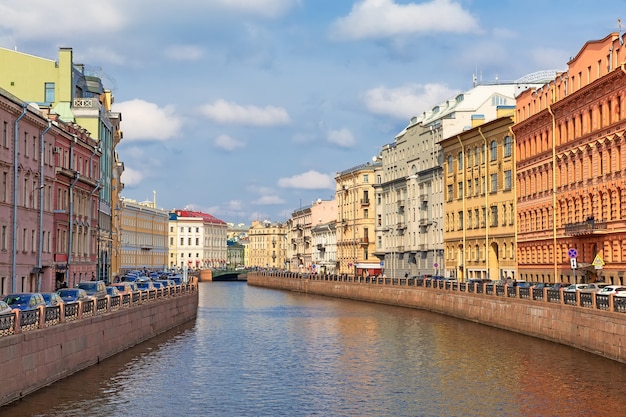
(15, 189)
(486, 206)
(549, 107)
(71, 221)
(95, 190)
(463, 207)
(515, 198)
(41, 186)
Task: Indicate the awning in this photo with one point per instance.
(369, 265)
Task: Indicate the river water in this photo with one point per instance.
(259, 352)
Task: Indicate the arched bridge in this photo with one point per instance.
(226, 275)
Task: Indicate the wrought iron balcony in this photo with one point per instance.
(588, 227)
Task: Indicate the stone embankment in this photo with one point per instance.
(601, 331)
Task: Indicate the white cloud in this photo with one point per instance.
(407, 101)
(184, 52)
(231, 113)
(342, 137)
(371, 19)
(227, 143)
(131, 177)
(263, 8)
(268, 200)
(31, 19)
(142, 120)
(310, 180)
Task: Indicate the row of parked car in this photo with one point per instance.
(84, 291)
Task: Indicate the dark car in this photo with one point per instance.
(25, 301)
(97, 289)
(112, 291)
(52, 299)
(73, 295)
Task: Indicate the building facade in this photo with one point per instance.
(196, 240)
(144, 236)
(27, 177)
(570, 170)
(479, 226)
(76, 95)
(267, 243)
(356, 217)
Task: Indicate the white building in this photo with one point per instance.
(197, 240)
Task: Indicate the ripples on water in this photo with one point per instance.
(259, 352)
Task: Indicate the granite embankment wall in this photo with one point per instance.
(597, 331)
(34, 359)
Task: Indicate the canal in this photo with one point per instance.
(259, 352)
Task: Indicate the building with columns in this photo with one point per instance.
(196, 240)
(569, 136)
(267, 245)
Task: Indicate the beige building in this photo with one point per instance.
(143, 236)
(267, 246)
(479, 172)
(299, 238)
(356, 221)
(324, 237)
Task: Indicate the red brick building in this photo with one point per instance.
(571, 194)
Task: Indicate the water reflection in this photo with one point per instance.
(259, 352)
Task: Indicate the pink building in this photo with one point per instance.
(26, 186)
(76, 198)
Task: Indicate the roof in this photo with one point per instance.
(207, 218)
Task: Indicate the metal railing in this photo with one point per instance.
(55, 315)
(540, 295)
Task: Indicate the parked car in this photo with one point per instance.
(575, 287)
(616, 290)
(124, 287)
(5, 308)
(112, 290)
(52, 299)
(559, 285)
(595, 286)
(145, 284)
(97, 289)
(167, 282)
(73, 295)
(25, 301)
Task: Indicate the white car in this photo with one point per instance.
(575, 287)
(616, 290)
(595, 286)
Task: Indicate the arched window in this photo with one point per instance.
(493, 153)
(508, 142)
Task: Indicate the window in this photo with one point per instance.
(460, 189)
(450, 192)
(508, 143)
(493, 152)
(460, 220)
(365, 178)
(49, 92)
(460, 160)
(507, 180)
(494, 216)
(182, 241)
(494, 183)
(450, 164)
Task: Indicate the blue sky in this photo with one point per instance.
(247, 109)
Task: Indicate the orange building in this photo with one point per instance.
(571, 194)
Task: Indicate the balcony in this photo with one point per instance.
(365, 202)
(424, 198)
(364, 241)
(588, 227)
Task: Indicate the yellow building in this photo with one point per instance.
(356, 220)
(143, 231)
(267, 245)
(479, 210)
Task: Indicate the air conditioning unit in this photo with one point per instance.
(56, 149)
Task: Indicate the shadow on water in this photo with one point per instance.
(84, 385)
